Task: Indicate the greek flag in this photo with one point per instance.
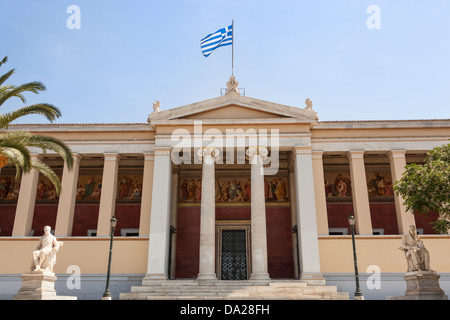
(220, 38)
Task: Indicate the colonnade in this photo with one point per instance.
(309, 198)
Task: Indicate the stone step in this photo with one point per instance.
(246, 290)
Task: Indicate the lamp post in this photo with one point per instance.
(107, 294)
(358, 293)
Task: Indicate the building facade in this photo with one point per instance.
(231, 188)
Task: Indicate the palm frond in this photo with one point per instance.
(47, 110)
(5, 77)
(16, 152)
(43, 142)
(34, 87)
(3, 61)
(46, 171)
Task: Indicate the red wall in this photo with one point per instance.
(279, 239)
(383, 215)
(86, 217)
(7, 214)
(44, 215)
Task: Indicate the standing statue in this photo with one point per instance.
(156, 106)
(309, 104)
(44, 257)
(417, 256)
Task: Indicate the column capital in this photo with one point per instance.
(206, 152)
(110, 156)
(162, 151)
(355, 154)
(149, 155)
(258, 150)
(36, 156)
(317, 155)
(301, 150)
(76, 157)
(396, 154)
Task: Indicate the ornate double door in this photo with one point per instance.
(233, 253)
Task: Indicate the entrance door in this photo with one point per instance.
(234, 255)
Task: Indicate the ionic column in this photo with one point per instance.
(308, 241)
(319, 191)
(260, 270)
(66, 204)
(404, 218)
(359, 192)
(158, 247)
(207, 269)
(26, 202)
(109, 193)
(146, 198)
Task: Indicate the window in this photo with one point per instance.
(92, 232)
(131, 232)
(337, 231)
(378, 231)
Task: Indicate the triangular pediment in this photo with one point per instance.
(233, 111)
(234, 108)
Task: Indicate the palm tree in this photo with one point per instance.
(14, 145)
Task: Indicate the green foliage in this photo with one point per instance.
(14, 145)
(426, 187)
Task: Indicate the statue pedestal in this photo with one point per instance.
(39, 285)
(422, 285)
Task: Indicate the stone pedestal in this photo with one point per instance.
(422, 285)
(39, 285)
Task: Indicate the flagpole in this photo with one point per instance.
(232, 47)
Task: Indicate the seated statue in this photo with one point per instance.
(417, 256)
(44, 257)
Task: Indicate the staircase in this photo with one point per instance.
(232, 290)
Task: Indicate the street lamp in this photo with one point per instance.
(358, 293)
(107, 294)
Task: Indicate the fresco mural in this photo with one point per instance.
(380, 184)
(338, 185)
(130, 187)
(46, 189)
(89, 187)
(9, 188)
(234, 189)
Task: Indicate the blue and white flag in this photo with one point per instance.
(220, 38)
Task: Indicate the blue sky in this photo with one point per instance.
(127, 54)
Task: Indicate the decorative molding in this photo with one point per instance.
(208, 152)
(317, 155)
(36, 156)
(162, 151)
(302, 150)
(355, 154)
(111, 156)
(396, 154)
(257, 151)
(77, 157)
(149, 156)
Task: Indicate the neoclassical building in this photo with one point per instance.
(227, 189)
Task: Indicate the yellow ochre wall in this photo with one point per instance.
(130, 254)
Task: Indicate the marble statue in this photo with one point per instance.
(156, 106)
(44, 257)
(416, 254)
(232, 86)
(309, 104)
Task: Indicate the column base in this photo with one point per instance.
(314, 279)
(156, 276)
(259, 276)
(206, 276)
